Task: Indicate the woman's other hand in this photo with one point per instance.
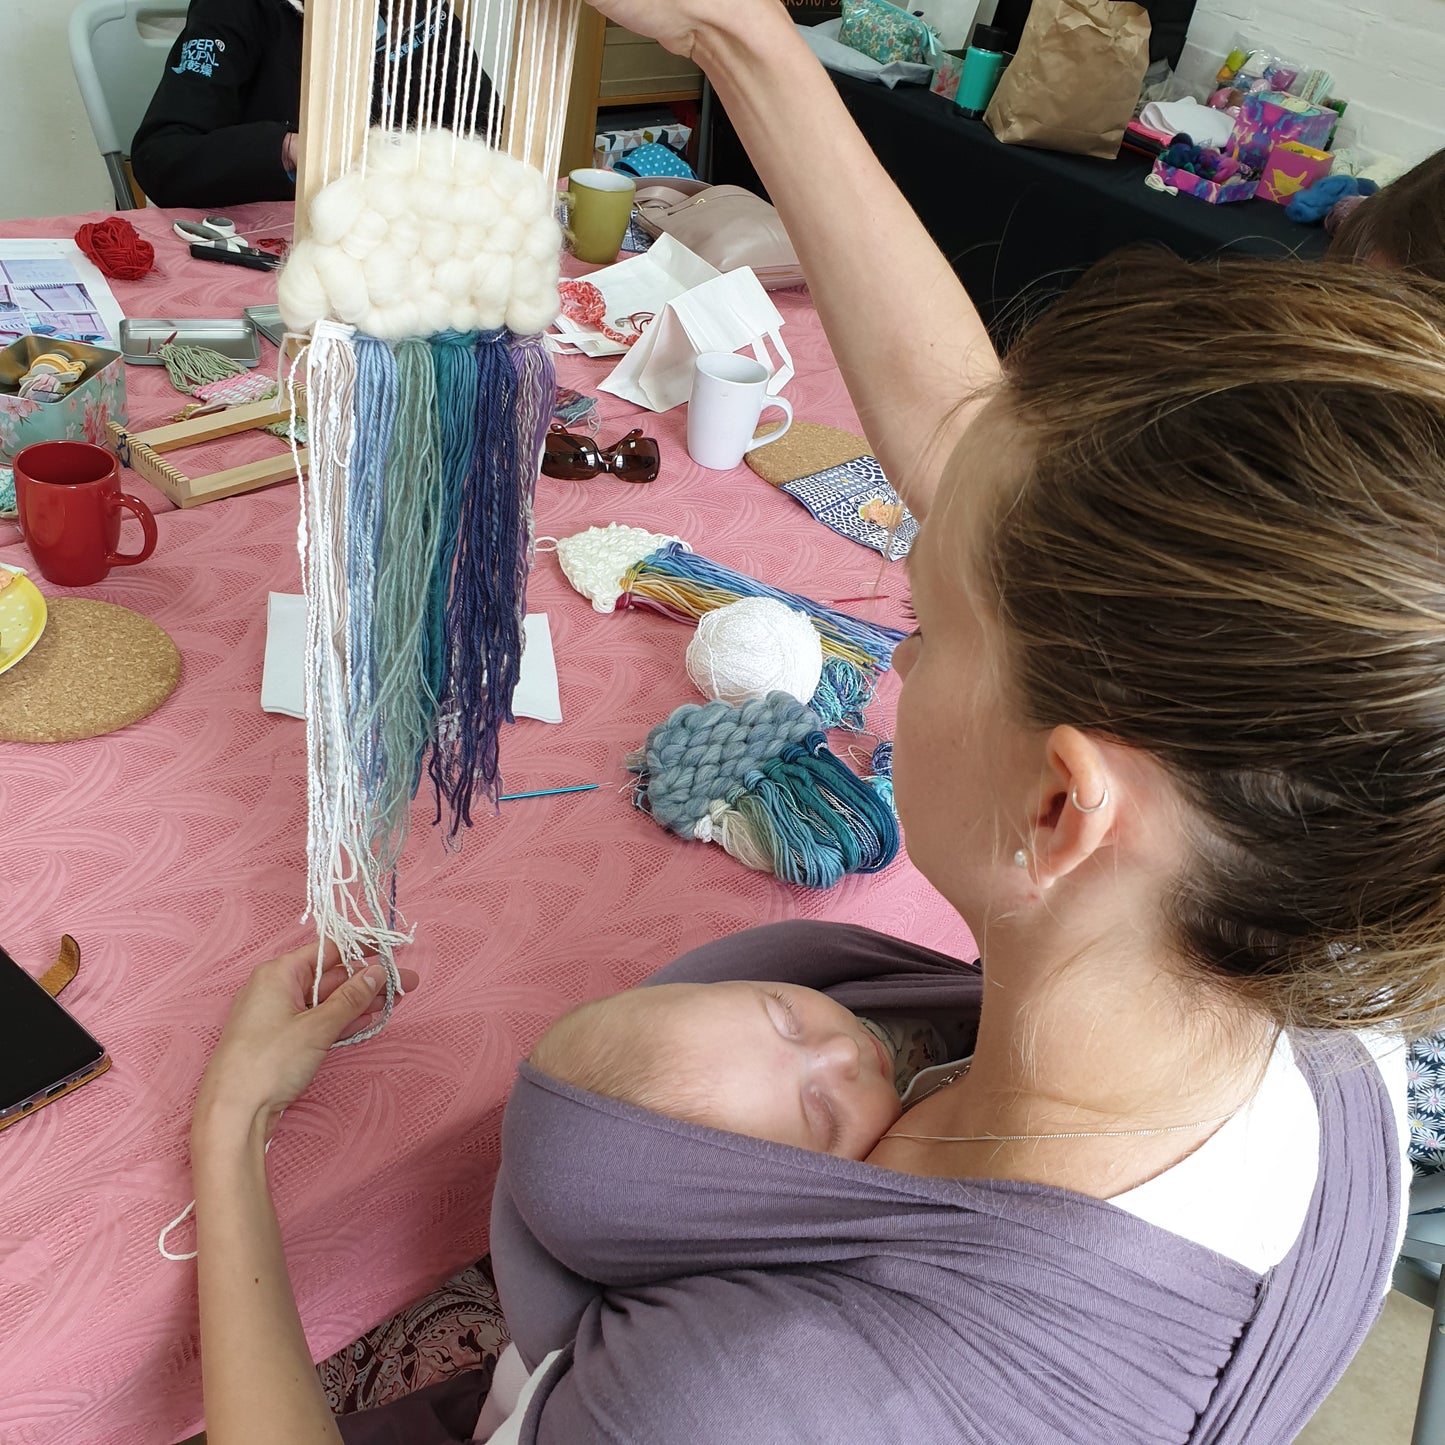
(274, 1041)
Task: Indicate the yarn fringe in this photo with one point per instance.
(415, 540)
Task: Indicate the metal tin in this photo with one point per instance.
(141, 339)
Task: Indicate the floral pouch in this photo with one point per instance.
(887, 33)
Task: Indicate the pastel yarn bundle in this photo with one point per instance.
(620, 567)
(759, 781)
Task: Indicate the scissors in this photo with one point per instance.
(216, 231)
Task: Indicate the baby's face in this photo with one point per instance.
(780, 1062)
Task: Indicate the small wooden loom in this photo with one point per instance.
(143, 452)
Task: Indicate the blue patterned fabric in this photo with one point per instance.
(655, 160)
(1425, 1081)
(840, 496)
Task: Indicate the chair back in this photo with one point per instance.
(117, 50)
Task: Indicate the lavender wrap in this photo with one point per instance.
(719, 1290)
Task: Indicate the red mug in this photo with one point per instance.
(70, 503)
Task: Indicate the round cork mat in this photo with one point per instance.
(807, 448)
(97, 669)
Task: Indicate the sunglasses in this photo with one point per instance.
(570, 458)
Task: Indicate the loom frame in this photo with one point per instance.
(144, 452)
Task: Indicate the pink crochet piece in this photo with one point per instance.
(583, 303)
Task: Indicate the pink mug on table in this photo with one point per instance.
(70, 503)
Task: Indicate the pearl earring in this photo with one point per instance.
(1021, 858)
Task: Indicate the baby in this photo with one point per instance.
(774, 1061)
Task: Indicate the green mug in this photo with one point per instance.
(599, 208)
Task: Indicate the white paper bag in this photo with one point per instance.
(729, 313)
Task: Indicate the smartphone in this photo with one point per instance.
(44, 1053)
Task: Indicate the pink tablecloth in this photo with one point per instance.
(174, 850)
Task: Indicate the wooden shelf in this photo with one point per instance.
(614, 68)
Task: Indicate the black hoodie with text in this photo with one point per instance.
(231, 92)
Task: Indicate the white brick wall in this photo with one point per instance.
(1387, 57)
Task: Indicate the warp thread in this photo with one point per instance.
(117, 248)
(760, 781)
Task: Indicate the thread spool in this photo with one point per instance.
(754, 647)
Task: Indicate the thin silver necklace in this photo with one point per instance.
(1025, 1138)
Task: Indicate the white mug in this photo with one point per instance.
(729, 394)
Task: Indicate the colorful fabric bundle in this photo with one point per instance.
(759, 781)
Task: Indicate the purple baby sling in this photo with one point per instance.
(711, 1289)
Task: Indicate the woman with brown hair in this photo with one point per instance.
(1402, 225)
(1170, 738)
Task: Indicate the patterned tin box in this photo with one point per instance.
(80, 415)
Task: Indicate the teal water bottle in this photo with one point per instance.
(982, 66)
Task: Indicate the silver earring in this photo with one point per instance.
(1021, 858)
(1074, 799)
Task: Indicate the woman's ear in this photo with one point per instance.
(1074, 809)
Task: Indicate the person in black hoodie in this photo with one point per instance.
(221, 128)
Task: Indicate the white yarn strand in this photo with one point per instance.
(345, 895)
(388, 72)
(464, 75)
(403, 64)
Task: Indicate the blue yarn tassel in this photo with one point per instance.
(375, 409)
(484, 614)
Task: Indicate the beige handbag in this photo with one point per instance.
(727, 226)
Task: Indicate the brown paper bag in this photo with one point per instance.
(1076, 78)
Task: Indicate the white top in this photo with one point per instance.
(1245, 1191)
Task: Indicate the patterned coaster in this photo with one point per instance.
(857, 502)
(807, 448)
(97, 669)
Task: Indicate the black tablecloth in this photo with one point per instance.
(1017, 222)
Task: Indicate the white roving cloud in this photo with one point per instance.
(440, 232)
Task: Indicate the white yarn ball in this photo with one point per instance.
(752, 647)
(400, 250)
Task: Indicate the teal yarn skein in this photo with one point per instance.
(759, 780)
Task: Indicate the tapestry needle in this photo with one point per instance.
(548, 792)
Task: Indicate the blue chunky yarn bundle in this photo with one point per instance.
(758, 779)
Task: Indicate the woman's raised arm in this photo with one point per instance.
(908, 340)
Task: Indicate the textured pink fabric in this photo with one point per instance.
(174, 851)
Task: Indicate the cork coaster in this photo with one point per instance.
(807, 448)
(97, 669)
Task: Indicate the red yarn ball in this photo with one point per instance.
(120, 251)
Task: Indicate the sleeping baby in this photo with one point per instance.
(774, 1061)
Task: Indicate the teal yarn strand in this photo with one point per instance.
(410, 539)
(454, 367)
(842, 694)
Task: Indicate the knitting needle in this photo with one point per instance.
(871, 597)
(548, 792)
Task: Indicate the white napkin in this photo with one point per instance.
(283, 687)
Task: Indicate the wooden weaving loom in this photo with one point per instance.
(338, 100)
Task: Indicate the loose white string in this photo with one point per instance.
(388, 70)
(461, 111)
(398, 62)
